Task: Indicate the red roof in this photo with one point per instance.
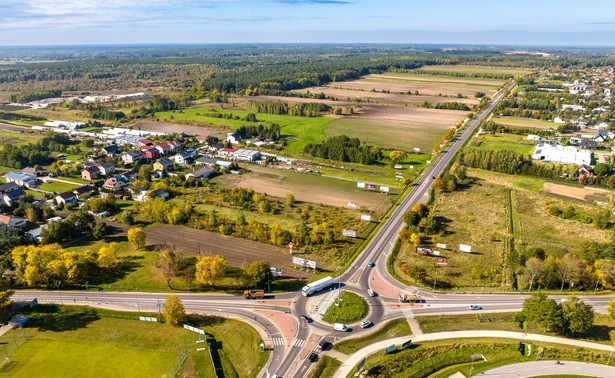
(229, 150)
(201, 137)
(146, 141)
(163, 145)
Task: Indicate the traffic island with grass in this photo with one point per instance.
(352, 308)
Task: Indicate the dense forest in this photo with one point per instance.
(34, 154)
(343, 148)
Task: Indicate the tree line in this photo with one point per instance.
(307, 109)
(261, 132)
(345, 149)
(33, 95)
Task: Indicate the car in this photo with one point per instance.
(324, 345)
(371, 293)
(365, 324)
(475, 307)
(307, 318)
(313, 357)
(371, 264)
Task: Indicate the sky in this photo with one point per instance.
(505, 22)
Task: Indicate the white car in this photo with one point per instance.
(475, 307)
(371, 293)
(365, 324)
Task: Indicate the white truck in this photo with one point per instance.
(313, 287)
(340, 327)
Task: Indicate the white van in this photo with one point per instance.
(340, 327)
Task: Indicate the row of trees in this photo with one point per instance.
(572, 316)
(307, 109)
(345, 149)
(272, 132)
(33, 95)
(510, 162)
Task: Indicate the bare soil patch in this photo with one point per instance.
(585, 194)
(163, 127)
(238, 252)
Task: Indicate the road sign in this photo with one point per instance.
(349, 233)
(290, 247)
(298, 261)
(365, 217)
(276, 272)
(465, 248)
(389, 349)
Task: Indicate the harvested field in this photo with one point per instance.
(401, 77)
(296, 100)
(238, 252)
(524, 122)
(163, 127)
(585, 194)
(398, 127)
(308, 188)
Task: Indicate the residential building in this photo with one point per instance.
(32, 171)
(131, 157)
(205, 161)
(82, 190)
(163, 165)
(586, 143)
(114, 184)
(183, 157)
(21, 179)
(13, 221)
(111, 150)
(164, 148)
(106, 169)
(201, 173)
(233, 138)
(226, 151)
(175, 145)
(66, 198)
(9, 193)
(36, 235)
(90, 173)
(151, 153)
(144, 195)
(145, 142)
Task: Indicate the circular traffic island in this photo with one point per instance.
(352, 308)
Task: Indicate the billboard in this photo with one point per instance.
(371, 186)
(384, 189)
(441, 245)
(411, 167)
(442, 261)
(436, 253)
(399, 166)
(298, 261)
(349, 233)
(423, 250)
(389, 349)
(194, 329)
(407, 344)
(399, 175)
(361, 185)
(310, 264)
(365, 217)
(465, 248)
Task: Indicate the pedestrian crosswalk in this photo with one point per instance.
(298, 342)
(278, 341)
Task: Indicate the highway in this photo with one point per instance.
(284, 360)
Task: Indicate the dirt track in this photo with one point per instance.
(238, 252)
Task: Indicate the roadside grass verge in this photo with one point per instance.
(392, 329)
(326, 367)
(352, 308)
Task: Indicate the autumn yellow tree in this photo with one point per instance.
(396, 156)
(209, 269)
(168, 262)
(421, 208)
(107, 255)
(415, 239)
(136, 238)
(174, 312)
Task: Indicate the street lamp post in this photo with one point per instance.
(339, 285)
(60, 294)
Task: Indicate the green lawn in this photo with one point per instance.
(352, 308)
(524, 122)
(58, 187)
(301, 130)
(394, 328)
(326, 367)
(505, 142)
(9, 138)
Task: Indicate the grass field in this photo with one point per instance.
(305, 130)
(326, 367)
(501, 142)
(394, 328)
(58, 187)
(524, 122)
(476, 69)
(352, 308)
(16, 139)
(477, 216)
(505, 321)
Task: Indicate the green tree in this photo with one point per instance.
(396, 156)
(412, 218)
(136, 238)
(602, 220)
(290, 200)
(174, 312)
(578, 316)
(264, 206)
(544, 311)
(256, 273)
(100, 230)
(611, 309)
(5, 302)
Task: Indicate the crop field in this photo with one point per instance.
(477, 69)
(501, 142)
(398, 127)
(478, 216)
(524, 122)
(304, 130)
(238, 252)
(307, 188)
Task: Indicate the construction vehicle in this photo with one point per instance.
(408, 298)
(254, 294)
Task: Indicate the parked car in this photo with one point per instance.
(371, 293)
(475, 307)
(365, 324)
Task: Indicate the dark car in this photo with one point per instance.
(325, 345)
(371, 264)
(307, 318)
(313, 357)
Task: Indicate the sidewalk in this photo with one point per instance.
(354, 359)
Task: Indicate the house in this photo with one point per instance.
(21, 179)
(36, 235)
(226, 151)
(201, 138)
(96, 159)
(10, 192)
(131, 157)
(533, 137)
(90, 173)
(175, 145)
(601, 126)
(164, 148)
(183, 157)
(606, 134)
(205, 161)
(82, 190)
(151, 153)
(576, 108)
(558, 120)
(106, 169)
(113, 184)
(145, 142)
(233, 138)
(66, 198)
(163, 165)
(13, 221)
(32, 171)
(247, 155)
(599, 138)
(575, 141)
(223, 164)
(213, 148)
(151, 194)
(586, 143)
(201, 173)
(111, 150)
